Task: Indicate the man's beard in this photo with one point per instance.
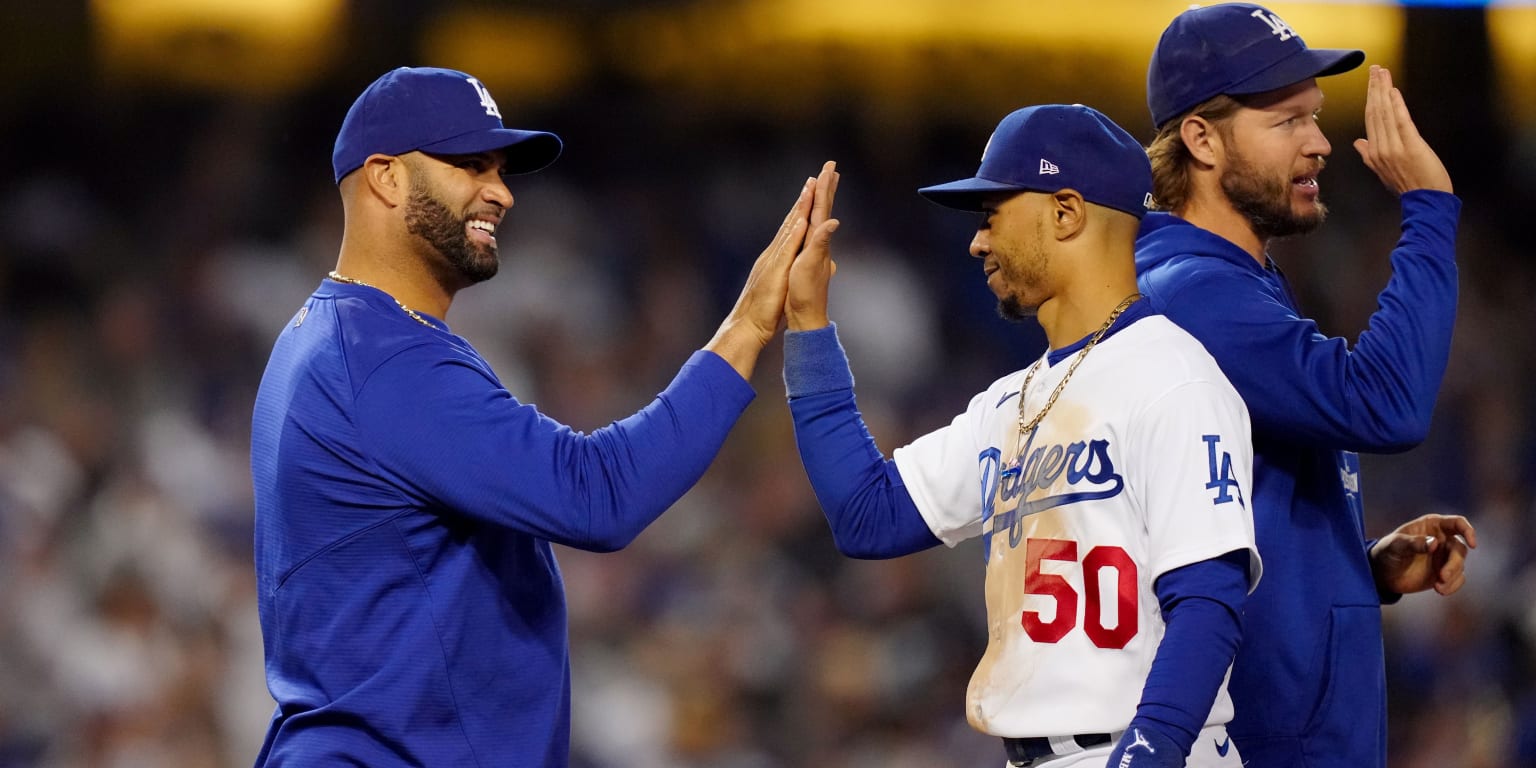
(430, 220)
(1266, 202)
(1025, 273)
(1010, 308)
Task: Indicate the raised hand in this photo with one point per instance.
(1392, 146)
(805, 307)
(754, 321)
(1428, 552)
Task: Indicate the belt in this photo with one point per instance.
(1026, 751)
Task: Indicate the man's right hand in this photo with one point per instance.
(1392, 146)
(805, 306)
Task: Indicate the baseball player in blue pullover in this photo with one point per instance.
(1234, 94)
(411, 608)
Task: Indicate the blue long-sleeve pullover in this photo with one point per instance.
(411, 607)
(1308, 682)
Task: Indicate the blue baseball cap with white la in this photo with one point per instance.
(1237, 49)
(1051, 147)
(441, 111)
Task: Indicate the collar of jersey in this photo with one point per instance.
(1137, 310)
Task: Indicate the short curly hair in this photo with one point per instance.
(1170, 157)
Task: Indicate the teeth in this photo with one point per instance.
(483, 226)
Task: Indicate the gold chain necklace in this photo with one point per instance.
(340, 278)
(1025, 429)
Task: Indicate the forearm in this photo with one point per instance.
(1399, 361)
(1202, 609)
(644, 463)
(860, 491)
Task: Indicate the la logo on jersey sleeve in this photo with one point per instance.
(1222, 482)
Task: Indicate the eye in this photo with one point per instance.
(476, 164)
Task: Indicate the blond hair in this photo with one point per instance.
(1171, 158)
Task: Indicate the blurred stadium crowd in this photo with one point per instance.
(152, 244)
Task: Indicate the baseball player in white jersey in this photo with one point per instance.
(1108, 481)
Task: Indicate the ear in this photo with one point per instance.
(1069, 214)
(1201, 138)
(387, 178)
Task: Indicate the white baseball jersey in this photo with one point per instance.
(1142, 466)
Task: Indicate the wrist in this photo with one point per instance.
(739, 344)
(808, 321)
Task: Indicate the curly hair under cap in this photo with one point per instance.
(1171, 158)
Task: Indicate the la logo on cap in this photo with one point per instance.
(1276, 26)
(485, 98)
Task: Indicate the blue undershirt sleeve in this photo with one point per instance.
(867, 505)
(1202, 608)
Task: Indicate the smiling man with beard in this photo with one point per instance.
(412, 611)
(1234, 94)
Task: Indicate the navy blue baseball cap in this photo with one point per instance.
(1237, 49)
(435, 110)
(1052, 147)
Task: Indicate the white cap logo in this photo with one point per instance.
(1276, 26)
(1047, 167)
(485, 98)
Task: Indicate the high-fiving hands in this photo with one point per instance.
(760, 308)
(1392, 146)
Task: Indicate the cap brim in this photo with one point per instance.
(968, 194)
(527, 151)
(1307, 63)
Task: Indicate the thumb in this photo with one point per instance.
(1363, 146)
(822, 237)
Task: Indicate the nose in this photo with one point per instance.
(981, 245)
(496, 192)
(1316, 144)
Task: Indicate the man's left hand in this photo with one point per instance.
(1429, 552)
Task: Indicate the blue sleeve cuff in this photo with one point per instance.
(719, 374)
(1448, 202)
(814, 362)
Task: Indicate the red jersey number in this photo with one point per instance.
(1059, 590)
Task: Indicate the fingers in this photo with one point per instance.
(1392, 147)
(1381, 114)
(1378, 138)
(825, 193)
(1461, 527)
(795, 222)
(1363, 146)
(1453, 574)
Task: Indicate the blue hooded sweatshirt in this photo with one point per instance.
(1308, 682)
